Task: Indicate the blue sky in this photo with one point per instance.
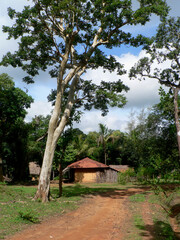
(141, 94)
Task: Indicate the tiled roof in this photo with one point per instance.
(87, 163)
(119, 167)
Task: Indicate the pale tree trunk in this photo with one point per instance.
(54, 132)
(56, 127)
(43, 191)
(176, 113)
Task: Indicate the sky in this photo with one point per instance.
(141, 94)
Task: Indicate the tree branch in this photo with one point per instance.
(166, 82)
(42, 137)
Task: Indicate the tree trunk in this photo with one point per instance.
(43, 191)
(105, 157)
(176, 113)
(60, 180)
(54, 132)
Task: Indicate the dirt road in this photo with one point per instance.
(102, 217)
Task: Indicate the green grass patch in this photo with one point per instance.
(137, 226)
(137, 198)
(138, 221)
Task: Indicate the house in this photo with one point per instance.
(34, 170)
(90, 171)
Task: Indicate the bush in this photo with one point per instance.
(29, 216)
(145, 173)
(127, 176)
(56, 178)
(173, 175)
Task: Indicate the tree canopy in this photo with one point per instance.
(165, 49)
(13, 131)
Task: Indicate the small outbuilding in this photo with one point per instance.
(90, 171)
(34, 170)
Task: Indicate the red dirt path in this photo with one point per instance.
(102, 217)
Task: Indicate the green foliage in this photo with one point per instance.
(13, 130)
(165, 230)
(165, 49)
(70, 147)
(37, 137)
(153, 144)
(42, 43)
(172, 176)
(126, 177)
(14, 102)
(143, 173)
(138, 198)
(29, 216)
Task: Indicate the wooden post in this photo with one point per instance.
(60, 180)
(1, 172)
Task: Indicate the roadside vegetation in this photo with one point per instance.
(159, 224)
(19, 210)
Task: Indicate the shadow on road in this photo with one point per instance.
(159, 230)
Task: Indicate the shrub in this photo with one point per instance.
(28, 216)
(173, 175)
(127, 176)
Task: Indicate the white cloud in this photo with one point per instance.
(38, 108)
(114, 120)
(141, 94)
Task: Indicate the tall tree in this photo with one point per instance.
(13, 130)
(165, 49)
(104, 136)
(68, 37)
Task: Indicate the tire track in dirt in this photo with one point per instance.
(102, 217)
(148, 221)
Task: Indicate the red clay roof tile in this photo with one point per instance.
(87, 163)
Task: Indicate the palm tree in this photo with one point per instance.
(81, 146)
(104, 136)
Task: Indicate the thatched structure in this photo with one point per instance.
(89, 171)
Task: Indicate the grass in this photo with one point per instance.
(18, 209)
(161, 228)
(137, 198)
(138, 226)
